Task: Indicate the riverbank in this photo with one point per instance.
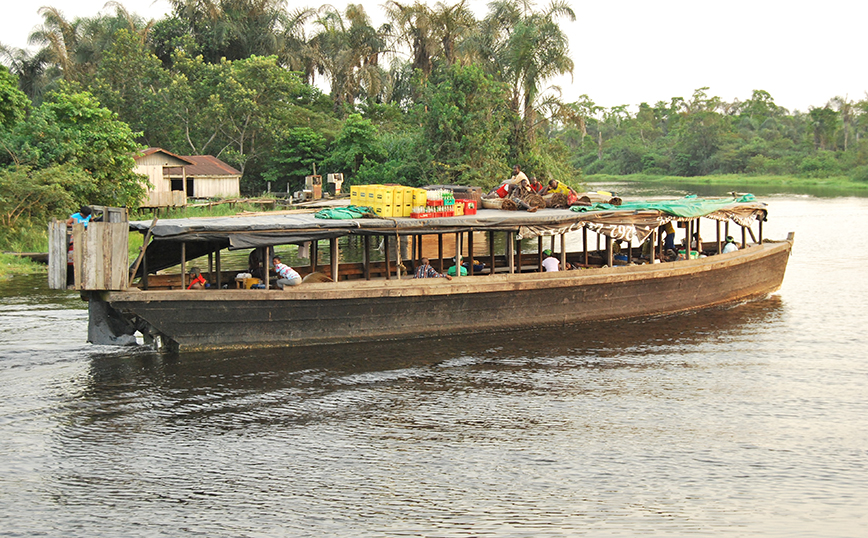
(844, 185)
(11, 264)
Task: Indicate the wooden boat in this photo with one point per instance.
(369, 301)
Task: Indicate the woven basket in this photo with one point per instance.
(492, 203)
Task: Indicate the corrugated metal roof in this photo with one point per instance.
(153, 150)
(208, 165)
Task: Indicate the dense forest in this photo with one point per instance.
(434, 95)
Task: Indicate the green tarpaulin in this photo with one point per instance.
(688, 207)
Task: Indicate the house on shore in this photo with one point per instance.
(175, 178)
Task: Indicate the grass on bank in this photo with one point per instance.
(843, 183)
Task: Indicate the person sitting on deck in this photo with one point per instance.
(550, 263)
(451, 270)
(286, 275)
(537, 186)
(730, 245)
(556, 187)
(426, 271)
(197, 281)
(520, 191)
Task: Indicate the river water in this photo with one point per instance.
(745, 421)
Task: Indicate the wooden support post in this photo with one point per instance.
(217, 266)
(510, 252)
(183, 265)
(520, 263)
(266, 274)
(413, 249)
(388, 256)
(563, 252)
(689, 239)
(367, 256)
(718, 237)
(335, 257)
(539, 249)
(314, 254)
(145, 269)
(610, 255)
(440, 252)
(491, 252)
(470, 252)
(585, 243)
(457, 259)
(211, 266)
(743, 238)
(760, 232)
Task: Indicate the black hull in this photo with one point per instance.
(357, 311)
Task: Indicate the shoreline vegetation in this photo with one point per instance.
(11, 265)
(787, 184)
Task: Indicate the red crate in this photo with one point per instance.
(469, 206)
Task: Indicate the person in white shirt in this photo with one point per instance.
(550, 263)
(730, 245)
(286, 275)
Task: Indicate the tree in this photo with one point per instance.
(71, 127)
(824, 123)
(527, 48)
(466, 127)
(128, 81)
(38, 195)
(296, 153)
(13, 103)
(357, 142)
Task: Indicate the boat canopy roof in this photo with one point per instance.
(628, 221)
(636, 220)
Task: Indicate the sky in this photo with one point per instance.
(630, 51)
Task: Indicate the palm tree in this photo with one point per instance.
(35, 72)
(415, 27)
(60, 39)
(348, 54)
(526, 48)
(453, 25)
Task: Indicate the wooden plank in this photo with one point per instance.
(57, 255)
(102, 261)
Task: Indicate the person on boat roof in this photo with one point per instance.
(426, 271)
(550, 263)
(517, 175)
(730, 245)
(537, 186)
(286, 275)
(556, 187)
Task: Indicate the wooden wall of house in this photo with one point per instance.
(216, 186)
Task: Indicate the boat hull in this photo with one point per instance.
(357, 311)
